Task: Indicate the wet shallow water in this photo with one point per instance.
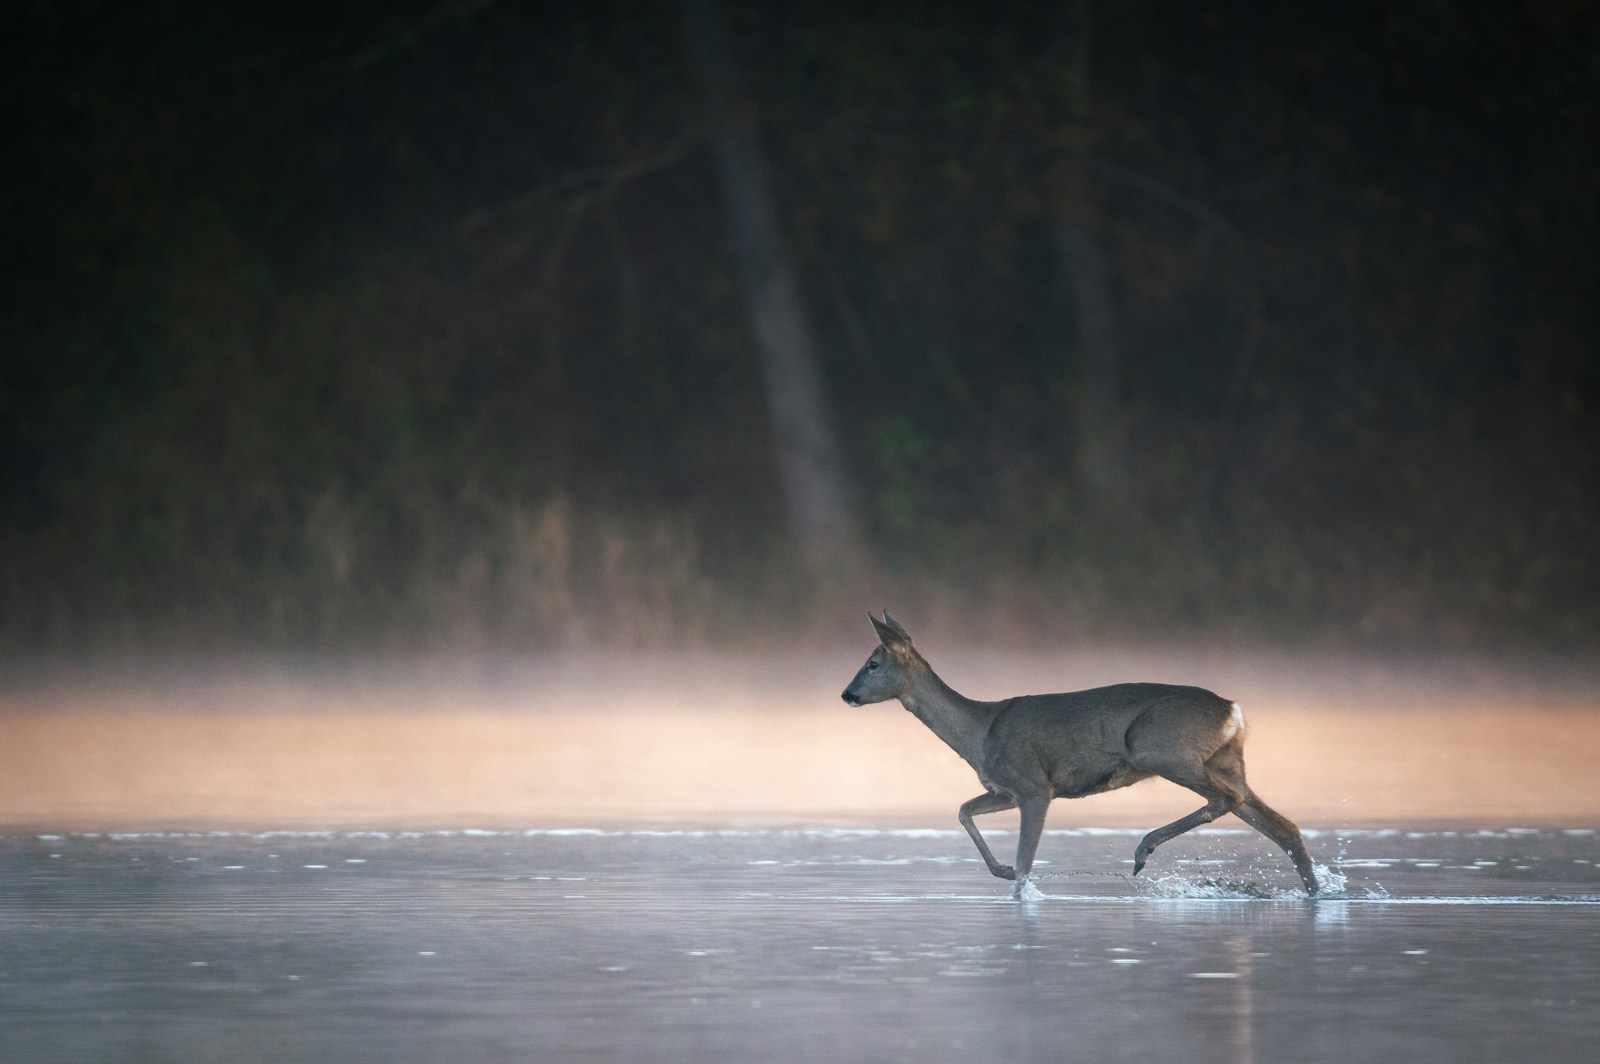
(838, 945)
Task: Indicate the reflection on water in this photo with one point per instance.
(793, 945)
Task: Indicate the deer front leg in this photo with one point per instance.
(1033, 810)
(988, 803)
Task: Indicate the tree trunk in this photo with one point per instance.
(1087, 275)
(810, 464)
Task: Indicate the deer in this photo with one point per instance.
(1030, 749)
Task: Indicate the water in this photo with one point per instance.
(772, 945)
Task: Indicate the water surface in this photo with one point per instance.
(790, 945)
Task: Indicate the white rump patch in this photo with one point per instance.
(1235, 723)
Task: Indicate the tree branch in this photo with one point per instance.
(582, 186)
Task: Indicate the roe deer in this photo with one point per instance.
(1032, 748)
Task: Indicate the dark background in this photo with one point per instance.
(389, 325)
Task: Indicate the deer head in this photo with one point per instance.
(888, 669)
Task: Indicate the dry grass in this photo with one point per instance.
(737, 741)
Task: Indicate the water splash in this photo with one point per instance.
(1244, 884)
(1331, 883)
(1210, 888)
(1026, 891)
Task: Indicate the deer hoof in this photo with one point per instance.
(1004, 871)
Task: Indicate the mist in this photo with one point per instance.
(711, 740)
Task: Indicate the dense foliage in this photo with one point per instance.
(370, 324)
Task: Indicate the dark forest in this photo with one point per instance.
(486, 325)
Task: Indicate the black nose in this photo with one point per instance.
(850, 698)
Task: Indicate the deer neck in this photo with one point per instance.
(960, 721)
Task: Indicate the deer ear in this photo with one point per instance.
(889, 631)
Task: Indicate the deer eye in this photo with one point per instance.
(872, 666)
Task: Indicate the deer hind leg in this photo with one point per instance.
(1223, 790)
(987, 803)
(1281, 830)
(1228, 764)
